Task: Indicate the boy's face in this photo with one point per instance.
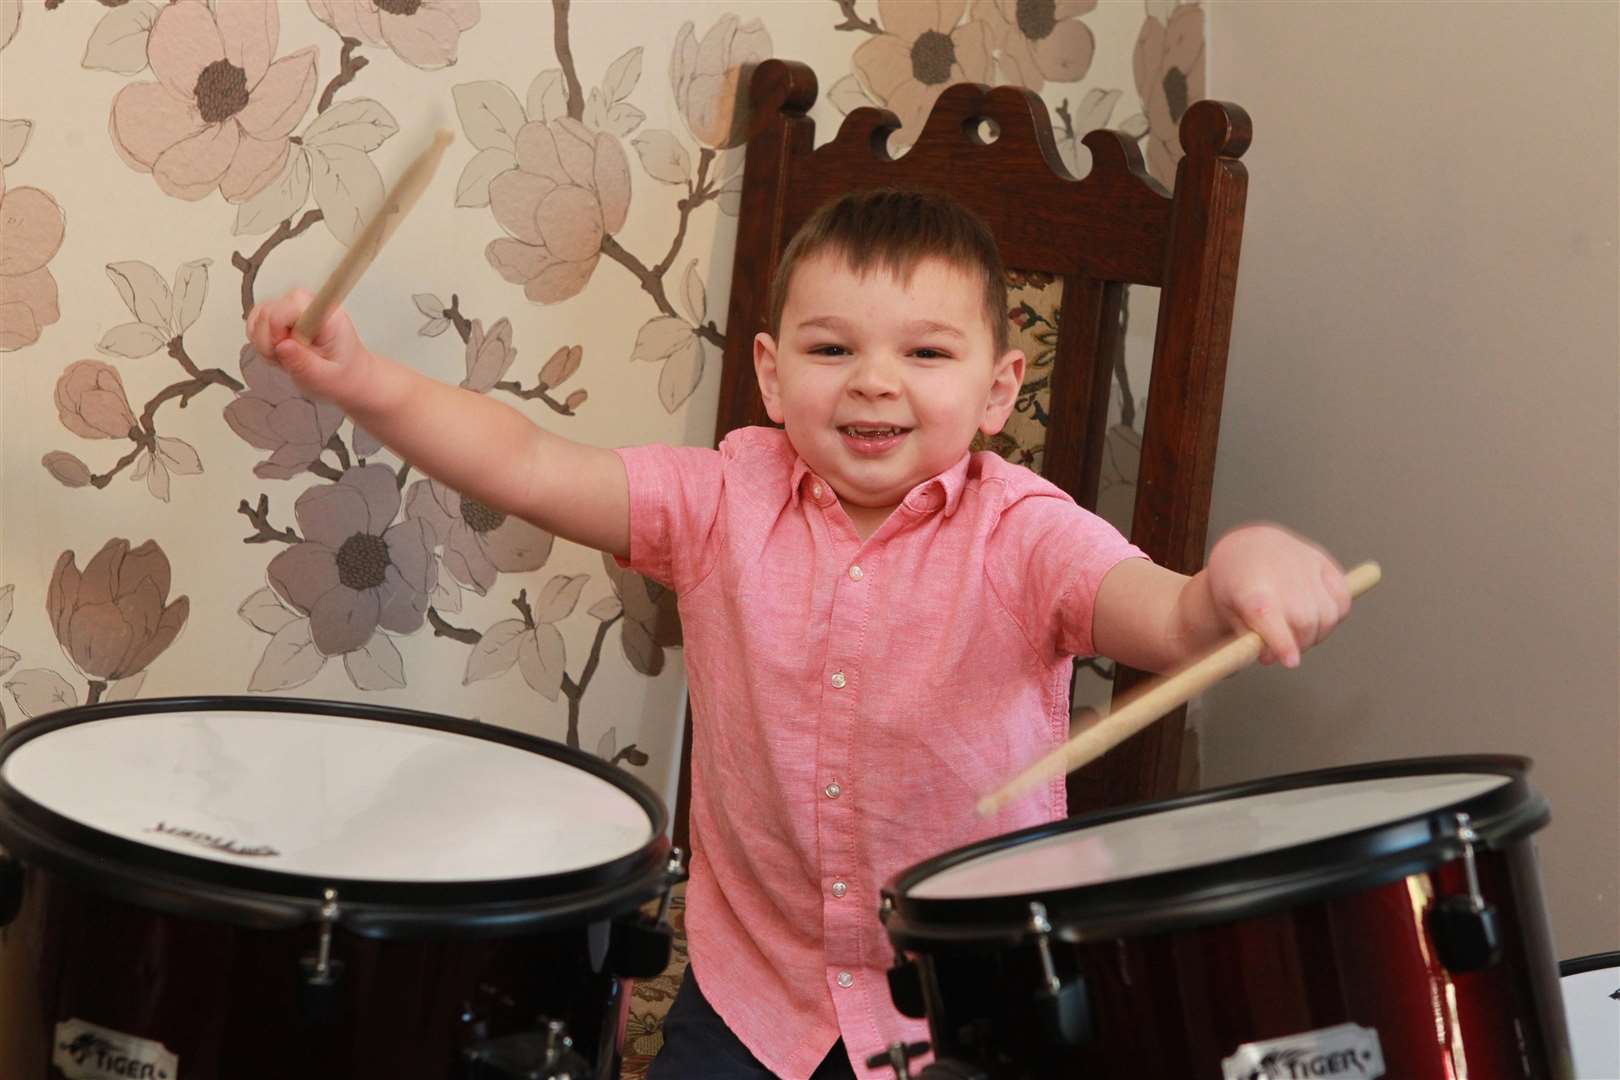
(882, 384)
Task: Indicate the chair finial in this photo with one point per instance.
(1216, 129)
(782, 86)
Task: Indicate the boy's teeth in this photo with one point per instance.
(872, 433)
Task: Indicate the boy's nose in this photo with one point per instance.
(874, 376)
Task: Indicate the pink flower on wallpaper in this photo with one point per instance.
(708, 77)
(921, 53)
(425, 33)
(91, 403)
(31, 230)
(1169, 68)
(221, 111)
(570, 189)
(114, 619)
(10, 16)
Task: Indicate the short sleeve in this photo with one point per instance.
(1047, 557)
(675, 494)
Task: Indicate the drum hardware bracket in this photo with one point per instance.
(1063, 1006)
(898, 1057)
(11, 887)
(639, 946)
(905, 988)
(545, 1054)
(1466, 929)
(318, 992)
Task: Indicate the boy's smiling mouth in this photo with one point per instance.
(872, 438)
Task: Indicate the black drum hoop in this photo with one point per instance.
(197, 887)
(1230, 889)
(1580, 965)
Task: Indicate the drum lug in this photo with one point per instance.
(319, 991)
(905, 989)
(898, 1057)
(639, 947)
(1466, 930)
(1062, 1005)
(531, 1055)
(11, 887)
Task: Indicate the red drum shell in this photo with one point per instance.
(208, 961)
(1176, 1004)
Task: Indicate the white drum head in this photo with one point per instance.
(1593, 1009)
(329, 796)
(1200, 835)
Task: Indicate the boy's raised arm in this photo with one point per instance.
(481, 447)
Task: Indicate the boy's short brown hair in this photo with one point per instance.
(895, 230)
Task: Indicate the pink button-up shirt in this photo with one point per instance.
(852, 700)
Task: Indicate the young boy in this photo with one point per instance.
(879, 626)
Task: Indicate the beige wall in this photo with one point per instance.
(1423, 371)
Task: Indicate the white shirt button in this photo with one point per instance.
(838, 680)
(815, 490)
(856, 573)
(833, 790)
(846, 980)
(839, 889)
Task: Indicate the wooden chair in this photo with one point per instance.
(1113, 228)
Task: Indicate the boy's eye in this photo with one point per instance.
(926, 353)
(829, 350)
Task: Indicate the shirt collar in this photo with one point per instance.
(942, 492)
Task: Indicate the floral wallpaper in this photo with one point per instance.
(177, 518)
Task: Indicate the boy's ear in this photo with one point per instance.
(765, 370)
(1007, 380)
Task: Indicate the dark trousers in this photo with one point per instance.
(699, 1046)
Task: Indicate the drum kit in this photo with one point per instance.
(246, 888)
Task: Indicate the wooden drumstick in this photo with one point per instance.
(395, 205)
(1148, 704)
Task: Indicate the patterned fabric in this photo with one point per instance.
(1032, 309)
(650, 999)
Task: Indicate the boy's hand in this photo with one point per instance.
(1284, 588)
(330, 367)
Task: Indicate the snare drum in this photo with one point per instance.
(1380, 920)
(247, 889)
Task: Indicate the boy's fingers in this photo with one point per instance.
(299, 360)
(1276, 634)
(1337, 588)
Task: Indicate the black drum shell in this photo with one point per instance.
(1201, 965)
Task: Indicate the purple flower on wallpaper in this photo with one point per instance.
(114, 619)
(1039, 41)
(273, 415)
(356, 570)
(478, 542)
(1169, 69)
(651, 620)
(220, 114)
(425, 33)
